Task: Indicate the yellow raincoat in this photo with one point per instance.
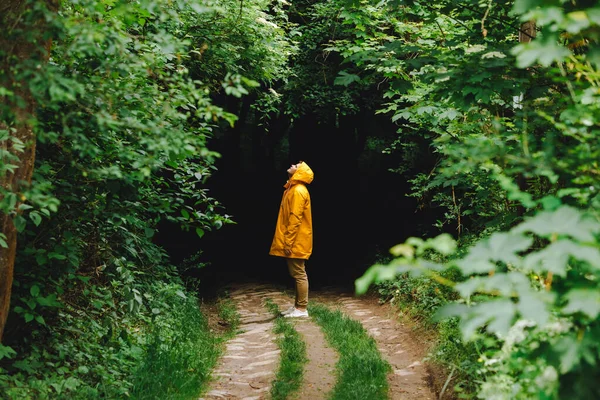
(294, 222)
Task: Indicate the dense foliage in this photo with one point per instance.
(493, 109)
(123, 111)
(515, 125)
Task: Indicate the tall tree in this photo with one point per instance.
(24, 42)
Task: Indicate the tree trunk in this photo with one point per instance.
(527, 32)
(21, 41)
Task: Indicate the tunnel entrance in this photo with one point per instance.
(360, 209)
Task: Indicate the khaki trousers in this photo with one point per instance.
(298, 272)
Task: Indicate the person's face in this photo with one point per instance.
(292, 169)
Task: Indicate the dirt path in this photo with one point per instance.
(319, 373)
(409, 378)
(251, 359)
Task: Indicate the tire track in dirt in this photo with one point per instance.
(409, 378)
(251, 359)
(319, 373)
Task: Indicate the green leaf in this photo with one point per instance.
(569, 349)
(586, 301)
(473, 265)
(6, 352)
(24, 207)
(550, 203)
(20, 223)
(11, 199)
(34, 290)
(345, 79)
(443, 244)
(501, 246)
(185, 214)
(503, 313)
(57, 256)
(499, 283)
(361, 285)
(415, 242)
(544, 51)
(199, 8)
(404, 250)
(555, 257)
(149, 232)
(28, 317)
(48, 301)
(451, 310)
(565, 220)
(83, 369)
(513, 192)
(35, 217)
(58, 387)
(496, 315)
(72, 383)
(533, 305)
(577, 21)
(200, 232)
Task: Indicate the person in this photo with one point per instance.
(293, 239)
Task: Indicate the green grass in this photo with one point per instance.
(229, 314)
(181, 354)
(361, 370)
(293, 357)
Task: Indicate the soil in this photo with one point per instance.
(251, 358)
(319, 372)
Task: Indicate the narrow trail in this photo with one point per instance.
(248, 366)
(319, 373)
(250, 362)
(409, 378)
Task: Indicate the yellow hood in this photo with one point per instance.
(303, 174)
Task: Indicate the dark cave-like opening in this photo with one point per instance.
(360, 209)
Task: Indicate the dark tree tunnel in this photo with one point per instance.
(359, 207)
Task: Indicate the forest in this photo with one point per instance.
(144, 147)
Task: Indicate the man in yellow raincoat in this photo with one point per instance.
(293, 234)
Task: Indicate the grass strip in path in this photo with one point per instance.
(293, 357)
(362, 373)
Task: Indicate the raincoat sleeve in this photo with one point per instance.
(298, 204)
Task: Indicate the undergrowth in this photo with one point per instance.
(418, 298)
(162, 348)
(181, 354)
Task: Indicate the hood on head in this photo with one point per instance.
(303, 174)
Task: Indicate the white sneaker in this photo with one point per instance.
(296, 314)
(289, 310)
